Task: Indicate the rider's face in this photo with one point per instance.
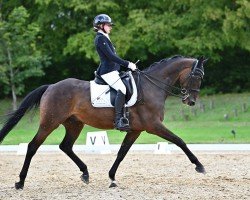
(107, 28)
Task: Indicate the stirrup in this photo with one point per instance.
(122, 124)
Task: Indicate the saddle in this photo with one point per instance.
(102, 95)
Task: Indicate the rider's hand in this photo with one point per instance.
(132, 66)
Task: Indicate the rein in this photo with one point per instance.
(152, 79)
(184, 92)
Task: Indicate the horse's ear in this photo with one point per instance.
(202, 60)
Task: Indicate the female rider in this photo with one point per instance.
(110, 65)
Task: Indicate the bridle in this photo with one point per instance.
(196, 73)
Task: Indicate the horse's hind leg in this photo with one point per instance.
(73, 129)
(32, 148)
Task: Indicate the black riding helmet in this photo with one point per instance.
(102, 19)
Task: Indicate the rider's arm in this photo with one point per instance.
(103, 44)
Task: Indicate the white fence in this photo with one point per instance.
(98, 142)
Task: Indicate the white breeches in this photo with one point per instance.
(114, 80)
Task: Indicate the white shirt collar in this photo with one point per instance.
(105, 34)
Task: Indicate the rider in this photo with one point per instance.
(110, 65)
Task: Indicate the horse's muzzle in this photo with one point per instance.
(188, 101)
(191, 103)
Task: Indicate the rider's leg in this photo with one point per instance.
(114, 80)
(120, 124)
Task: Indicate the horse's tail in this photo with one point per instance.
(32, 100)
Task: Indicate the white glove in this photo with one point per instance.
(132, 66)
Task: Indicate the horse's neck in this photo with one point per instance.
(155, 92)
(158, 83)
(170, 73)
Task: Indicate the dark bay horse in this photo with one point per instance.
(68, 103)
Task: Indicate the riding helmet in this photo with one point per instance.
(102, 19)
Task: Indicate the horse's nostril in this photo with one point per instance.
(191, 103)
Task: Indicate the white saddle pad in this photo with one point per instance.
(100, 94)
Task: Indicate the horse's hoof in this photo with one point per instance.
(85, 178)
(113, 184)
(200, 169)
(19, 185)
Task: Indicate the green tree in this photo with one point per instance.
(237, 24)
(20, 58)
(145, 30)
(151, 30)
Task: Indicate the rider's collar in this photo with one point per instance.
(105, 34)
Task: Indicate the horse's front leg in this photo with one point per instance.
(125, 146)
(160, 130)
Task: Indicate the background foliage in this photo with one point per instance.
(222, 118)
(147, 30)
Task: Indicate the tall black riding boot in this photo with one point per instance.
(120, 122)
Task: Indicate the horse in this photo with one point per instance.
(67, 102)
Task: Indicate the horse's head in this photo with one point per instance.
(190, 81)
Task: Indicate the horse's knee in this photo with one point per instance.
(62, 147)
(32, 148)
(65, 148)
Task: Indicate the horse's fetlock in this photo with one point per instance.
(22, 177)
(85, 170)
(111, 175)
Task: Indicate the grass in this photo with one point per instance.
(204, 123)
